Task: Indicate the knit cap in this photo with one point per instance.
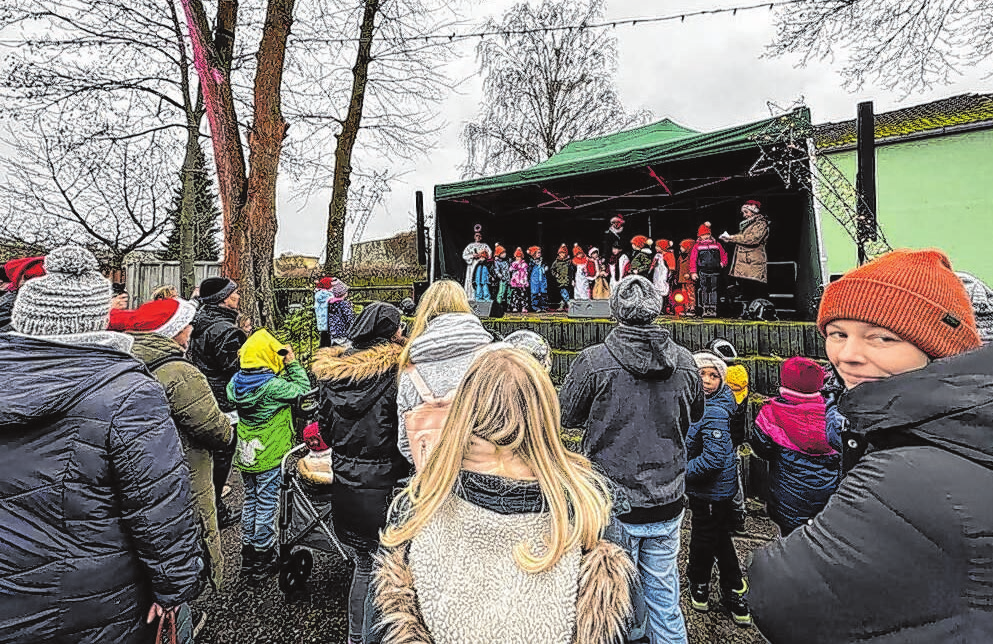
(564, 250)
(802, 375)
(662, 245)
(534, 344)
(914, 294)
(639, 241)
(708, 359)
(163, 317)
(499, 250)
(737, 382)
(533, 250)
(325, 283)
(634, 301)
(519, 254)
(704, 229)
(752, 205)
(72, 297)
(686, 245)
(215, 290)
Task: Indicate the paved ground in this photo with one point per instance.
(240, 614)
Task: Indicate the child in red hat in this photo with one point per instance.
(519, 290)
(581, 281)
(562, 272)
(684, 277)
(641, 257)
(707, 260)
(481, 277)
(663, 267)
(501, 274)
(538, 280)
(793, 433)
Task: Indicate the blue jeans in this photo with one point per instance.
(261, 508)
(653, 548)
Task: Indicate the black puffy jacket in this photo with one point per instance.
(214, 345)
(358, 421)
(95, 513)
(903, 552)
(635, 396)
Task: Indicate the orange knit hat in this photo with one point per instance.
(639, 241)
(662, 245)
(686, 245)
(519, 254)
(703, 229)
(564, 250)
(914, 294)
(532, 250)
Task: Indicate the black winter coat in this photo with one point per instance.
(903, 552)
(358, 421)
(635, 396)
(6, 307)
(214, 345)
(96, 520)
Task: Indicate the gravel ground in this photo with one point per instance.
(241, 614)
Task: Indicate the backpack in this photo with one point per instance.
(708, 260)
(425, 421)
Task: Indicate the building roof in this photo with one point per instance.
(961, 110)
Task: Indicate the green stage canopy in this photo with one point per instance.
(660, 142)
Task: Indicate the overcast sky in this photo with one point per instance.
(705, 73)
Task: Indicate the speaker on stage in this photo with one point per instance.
(487, 309)
(589, 308)
(419, 288)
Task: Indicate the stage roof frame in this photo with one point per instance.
(662, 142)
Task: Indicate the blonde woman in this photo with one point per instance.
(444, 339)
(166, 292)
(499, 537)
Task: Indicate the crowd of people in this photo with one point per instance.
(465, 515)
(688, 277)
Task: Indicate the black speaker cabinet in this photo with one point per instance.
(487, 309)
(589, 308)
(419, 288)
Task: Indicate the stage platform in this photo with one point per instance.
(761, 346)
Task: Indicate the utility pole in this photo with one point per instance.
(865, 182)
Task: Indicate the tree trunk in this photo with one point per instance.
(346, 143)
(187, 274)
(265, 142)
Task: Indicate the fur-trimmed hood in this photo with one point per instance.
(337, 363)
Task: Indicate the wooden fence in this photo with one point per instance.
(145, 277)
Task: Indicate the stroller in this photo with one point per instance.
(304, 512)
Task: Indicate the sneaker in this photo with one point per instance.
(739, 524)
(700, 597)
(736, 603)
(266, 564)
(248, 557)
(226, 490)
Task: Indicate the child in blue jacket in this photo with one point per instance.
(711, 483)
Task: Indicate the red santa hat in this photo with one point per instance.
(163, 317)
(21, 270)
(703, 229)
(663, 245)
(617, 219)
(499, 250)
(519, 254)
(752, 205)
(578, 256)
(686, 245)
(593, 249)
(564, 250)
(640, 241)
(532, 250)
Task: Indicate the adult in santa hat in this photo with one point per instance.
(750, 263)
(161, 331)
(613, 235)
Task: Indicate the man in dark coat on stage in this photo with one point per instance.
(614, 235)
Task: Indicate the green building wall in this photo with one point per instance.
(935, 192)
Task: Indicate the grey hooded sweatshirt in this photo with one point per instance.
(442, 355)
(635, 396)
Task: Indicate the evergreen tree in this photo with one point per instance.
(206, 219)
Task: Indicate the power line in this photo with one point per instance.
(631, 22)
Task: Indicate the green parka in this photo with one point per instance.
(202, 426)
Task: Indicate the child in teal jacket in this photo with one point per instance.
(270, 379)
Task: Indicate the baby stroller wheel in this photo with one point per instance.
(293, 576)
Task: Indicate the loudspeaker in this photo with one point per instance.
(589, 308)
(419, 288)
(487, 309)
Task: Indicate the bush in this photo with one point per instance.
(299, 330)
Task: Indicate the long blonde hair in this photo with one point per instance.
(507, 398)
(444, 296)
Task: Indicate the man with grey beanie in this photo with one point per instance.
(635, 396)
(96, 519)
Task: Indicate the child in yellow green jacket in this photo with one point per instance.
(269, 381)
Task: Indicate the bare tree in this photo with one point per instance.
(105, 71)
(543, 89)
(109, 198)
(904, 44)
